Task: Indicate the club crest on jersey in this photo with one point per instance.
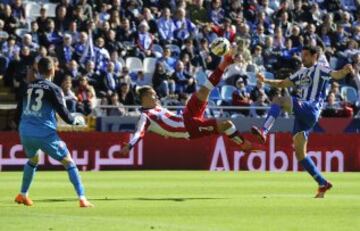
(305, 81)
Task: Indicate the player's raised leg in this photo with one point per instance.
(300, 144)
(278, 104)
(203, 93)
(75, 179)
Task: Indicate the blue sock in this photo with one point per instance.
(273, 113)
(310, 167)
(29, 172)
(75, 179)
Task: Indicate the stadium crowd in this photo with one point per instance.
(103, 50)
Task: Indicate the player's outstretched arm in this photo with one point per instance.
(285, 83)
(60, 107)
(141, 127)
(340, 74)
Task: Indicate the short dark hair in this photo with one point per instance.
(45, 65)
(142, 91)
(312, 49)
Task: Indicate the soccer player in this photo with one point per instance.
(311, 82)
(37, 130)
(192, 123)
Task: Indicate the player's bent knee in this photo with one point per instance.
(67, 160)
(34, 160)
(224, 126)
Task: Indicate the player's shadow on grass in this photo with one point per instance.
(175, 199)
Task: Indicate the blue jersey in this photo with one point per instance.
(312, 82)
(38, 109)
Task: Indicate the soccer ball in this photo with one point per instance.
(220, 46)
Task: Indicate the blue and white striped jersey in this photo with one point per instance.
(312, 82)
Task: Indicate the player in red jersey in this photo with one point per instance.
(192, 123)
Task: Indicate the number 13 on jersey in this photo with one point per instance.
(37, 104)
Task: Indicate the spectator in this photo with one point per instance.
(65, 51)
(27, 41)
(126, 96)
(73, 72)
(335, 89)
(73, 32)
(162, 82)
(86, 96)
(69, 95)
(217, 13)
(168, 61)
(79, 17)
(334, 108)
(42, 20)
(92, 77)
(124, 33)
(86, 9)
(340, 38)
(257, 91)
(197, 12)
(61, 21)
(188, 49)
(205, 59)
(109, 79)
(258, 38)
(118, 108)
(125, 75)
(166, 27)
(149, 19)
(141, 79)
(243, 31)
(241, 97)
(260, 101)
(10, 49)
(114, 20)
(50, 37)
(10, 21)
(144, 41)
(18, 11)
(104, 14)
(184, 27)
(266, 8)
(185, 83)
(189, 68)
(100, 54)
(80, 46)
(258, 59)
(35, 32)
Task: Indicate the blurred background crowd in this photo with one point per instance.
(104, 50)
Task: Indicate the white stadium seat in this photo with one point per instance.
(134, 64)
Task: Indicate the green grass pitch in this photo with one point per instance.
(183, 201)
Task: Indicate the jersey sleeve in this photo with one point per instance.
(60, 107)
(296, 76)
(325, 72)
(141, 128)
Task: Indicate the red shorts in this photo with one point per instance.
(194, 120)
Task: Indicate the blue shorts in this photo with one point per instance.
(51, 145)
(306, 116)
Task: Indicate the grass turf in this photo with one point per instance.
(188, 200)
